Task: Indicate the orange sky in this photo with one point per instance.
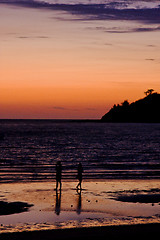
(51, 68)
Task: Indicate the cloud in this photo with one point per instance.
(149, 29)
(71, 109)
(108, 44)
(150, 59)
(33, 37)
(157, 60)
(151, 45)
(64, 108)
(109, 11)
(60, 108)
(128, 30)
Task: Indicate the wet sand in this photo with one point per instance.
(103, 208)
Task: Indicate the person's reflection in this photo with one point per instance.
(58, 201)
(79, 202)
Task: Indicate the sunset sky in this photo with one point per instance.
(75, 61)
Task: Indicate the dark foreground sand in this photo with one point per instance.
(108, 232)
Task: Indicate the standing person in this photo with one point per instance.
(58, 174)
(79, 175)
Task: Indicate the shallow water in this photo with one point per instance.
(30, 150)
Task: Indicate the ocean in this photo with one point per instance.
(29, 150)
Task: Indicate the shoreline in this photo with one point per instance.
(85, 180)
(125, 231)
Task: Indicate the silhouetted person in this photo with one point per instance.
(58, 174)
(79, 202)
(79, 175)
(58, 201)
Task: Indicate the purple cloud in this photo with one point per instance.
(111, 11)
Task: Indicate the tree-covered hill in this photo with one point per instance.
(143, 110)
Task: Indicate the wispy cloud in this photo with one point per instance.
(72, 109)
(128, 30)
(151, 46)
(150, 59)
(33, 37)
(111, 11)
(147, 29)
(60, 108)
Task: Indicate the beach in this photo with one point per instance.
(65, 64)
(120, 193)
(102, 208)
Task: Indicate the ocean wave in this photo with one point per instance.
(29, 150)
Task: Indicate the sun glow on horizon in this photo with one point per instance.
(53, 68)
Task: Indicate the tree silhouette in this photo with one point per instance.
(149, 92)
(125, 103)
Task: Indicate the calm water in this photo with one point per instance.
(30, 150)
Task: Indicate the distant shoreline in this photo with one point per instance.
(52, 120)
(74, 121)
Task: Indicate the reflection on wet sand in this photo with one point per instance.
(58, 201)
(79, 202)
